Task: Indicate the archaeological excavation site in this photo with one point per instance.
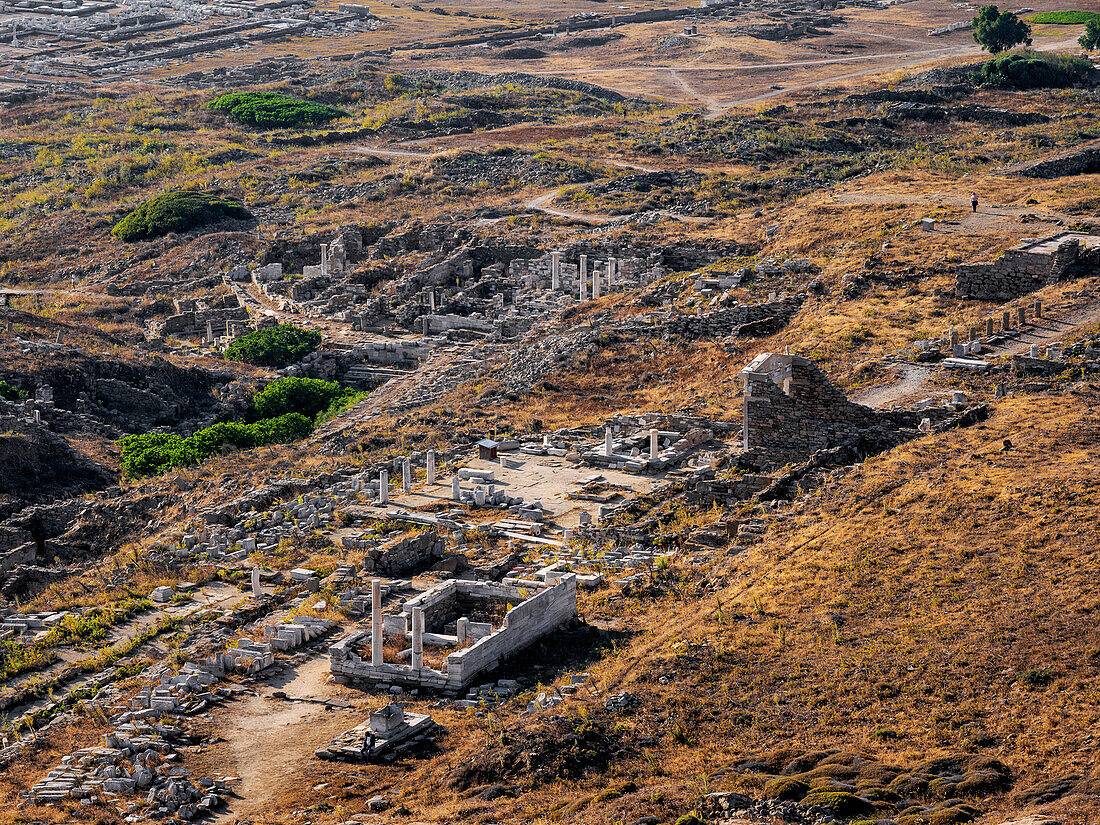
(557, 414)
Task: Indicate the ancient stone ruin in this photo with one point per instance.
(439, 619)
(1029, 265)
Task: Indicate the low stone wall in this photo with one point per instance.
(194, 323)
(403, 555)
(524, 625)
(1082, 160)
(1019, 271)
(726, 321)
(24, 554)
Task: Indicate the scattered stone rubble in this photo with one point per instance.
(139, 756)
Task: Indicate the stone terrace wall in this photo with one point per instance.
(403, 555)
(1016, 273)
(722, 322)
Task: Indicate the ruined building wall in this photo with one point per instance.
(524, 625)
(813, 416)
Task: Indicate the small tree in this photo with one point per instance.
(998, 31)
(1090, 40)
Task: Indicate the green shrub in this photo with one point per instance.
(841, 804)
(955, 815)
(690, 819)
(281, 430)
(307, 396)
(148, 454)
(786, 787)
(154, 453)
(11, 393)
(1032, 70)
(1065, 18)
(271, 109)
(1090, 40)
(275, 346)
(176, 212)
(1037, 677)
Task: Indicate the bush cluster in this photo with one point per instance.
(1031, 70)
(149, 454)
(176, 212)
(1065, 18)
(271, 109)
(274, 346)
(284, 411)
(307, 396)
(10, 392)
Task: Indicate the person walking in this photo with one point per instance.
(973, 201)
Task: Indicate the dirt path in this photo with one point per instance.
(269, 741)
(911, 377)
(714, 108)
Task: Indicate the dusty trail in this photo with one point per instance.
(714, 108)
(268, 737)
(913, 377)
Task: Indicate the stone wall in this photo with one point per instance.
(1022, 269)
(728, 320)
(23, 554)
(792, 410)
(1081, 160)
(524, 625)
(400, 556)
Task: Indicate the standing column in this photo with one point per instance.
(406, 476)
(418, 638)
(456, 491)
(209, 332)
(376, 622)
(653, 444)
(555, 271)
(383, 487)
(582, 275)
(429, 460)
(324, 260)
(607, 440)
(431, 301)
(1038, 309)
(595, 281)
(610, 274)
(257, 589)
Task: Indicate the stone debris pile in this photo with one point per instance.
(141, 754)
(297, 632)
